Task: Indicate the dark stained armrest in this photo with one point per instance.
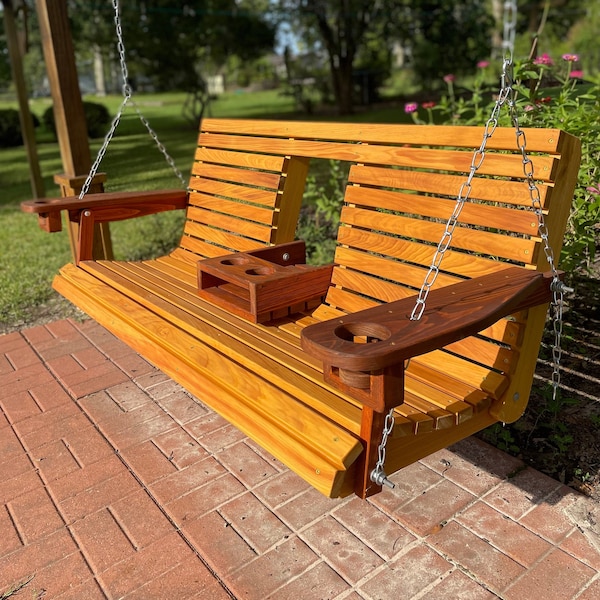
(130, 203)
(452, 313)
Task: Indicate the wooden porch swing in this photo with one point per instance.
(348, 371)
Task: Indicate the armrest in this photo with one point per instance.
(452, 313)
(178, 199)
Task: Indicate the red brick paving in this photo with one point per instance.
(115, 483)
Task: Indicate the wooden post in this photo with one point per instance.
(27, 130)
(71, 127)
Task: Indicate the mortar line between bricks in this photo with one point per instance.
(465, 571)
(424, 593)
(158, 504)
(125, 464)
(587, 586)
(15, 524)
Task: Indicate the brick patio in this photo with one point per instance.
(115, 483)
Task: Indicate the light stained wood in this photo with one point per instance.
(464, 238)
(253, 177)
(246, 191)
(480, 214)
(491, 190)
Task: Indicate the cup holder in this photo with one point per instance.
(259, 271)
(362, 333)
(238, 260)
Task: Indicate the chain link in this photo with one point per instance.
(506, 96)
(127, 101)
(378, 475)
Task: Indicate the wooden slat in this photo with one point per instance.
(538, 140)
(228, 238)
(240, 159)
(237, 192)
(472, 213)
(200, 203)
(473, 240)
(491, 190)
(234, 175)
(382, 267)
(476, 376)
(460, 263)
(378, 289)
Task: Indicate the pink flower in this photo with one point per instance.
(544, 59)
(410, 107)
(570, 57)
(449, 78)
(576, 74)
(428, 105)
(482, 64)
(594, 189)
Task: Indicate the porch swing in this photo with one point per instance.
(350, 370)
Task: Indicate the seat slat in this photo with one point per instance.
(441, 363)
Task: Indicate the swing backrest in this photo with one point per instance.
(394, 216)
(238, 186)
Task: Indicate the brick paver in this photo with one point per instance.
(116, 483)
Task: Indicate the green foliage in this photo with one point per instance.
(320, 216)
(96, 116)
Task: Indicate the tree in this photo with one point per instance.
(449, 37)
(341, 28)
(166, 40)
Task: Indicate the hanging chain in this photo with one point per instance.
(378, 475)
(127, 100)
(506, 96)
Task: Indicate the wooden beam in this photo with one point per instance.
(27, 130)
(69, 117)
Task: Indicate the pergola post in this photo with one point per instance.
(27, 130)
(71, 127)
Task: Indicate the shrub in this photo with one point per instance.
(10, 128)
(96, 115)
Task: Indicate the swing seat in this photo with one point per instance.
(306, 368)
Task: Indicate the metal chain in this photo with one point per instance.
(127, 100)
(506, 96)
(378, 475)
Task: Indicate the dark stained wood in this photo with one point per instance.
(452, 313)
(255, 287)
